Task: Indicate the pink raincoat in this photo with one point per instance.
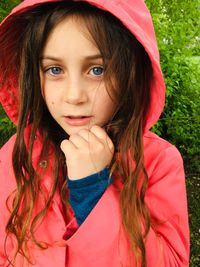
(100, 241)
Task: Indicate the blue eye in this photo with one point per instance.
(97, 71)
(55, 70)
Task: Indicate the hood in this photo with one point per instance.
(134, 15)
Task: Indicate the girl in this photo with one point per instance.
(84, 182)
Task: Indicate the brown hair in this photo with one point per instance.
(126, 60)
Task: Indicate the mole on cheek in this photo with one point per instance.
(52, 103)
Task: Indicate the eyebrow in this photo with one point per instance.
(90, 57)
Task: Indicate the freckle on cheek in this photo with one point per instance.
(52, 103)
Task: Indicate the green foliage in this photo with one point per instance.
(180, 122)
(176, 24)
(7, 128)
(6, 6)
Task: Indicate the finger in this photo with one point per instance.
(78, 141)
(102, 135)
(89, 137)
(99, 132)
(67, 147)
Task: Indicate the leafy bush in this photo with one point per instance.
(6, 6)
(179, 47)
(7, 128)
(180, 122)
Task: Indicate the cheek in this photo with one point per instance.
(49, 100)
(108, 99)
(46, 90)
(111, 107)
(50, 95)
(50, 103)
(105, 103)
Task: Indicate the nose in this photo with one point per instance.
(74, 92)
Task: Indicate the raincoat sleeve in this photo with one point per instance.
(167, 244)
(7, 185)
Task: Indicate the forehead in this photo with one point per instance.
(71, 32)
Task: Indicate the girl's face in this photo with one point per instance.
(72, 78)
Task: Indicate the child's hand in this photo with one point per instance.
(87, 152)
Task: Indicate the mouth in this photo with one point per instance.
(77, 117)
(79, 120)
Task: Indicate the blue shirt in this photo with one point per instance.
(86, 192)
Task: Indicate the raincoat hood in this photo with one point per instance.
(132, 13)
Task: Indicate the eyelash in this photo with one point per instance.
(57, 67)
(98, 67)
(50, 69)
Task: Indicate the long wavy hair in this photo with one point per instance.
(126, 60)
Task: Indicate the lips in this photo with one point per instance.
(77, 120)
(77, 117)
